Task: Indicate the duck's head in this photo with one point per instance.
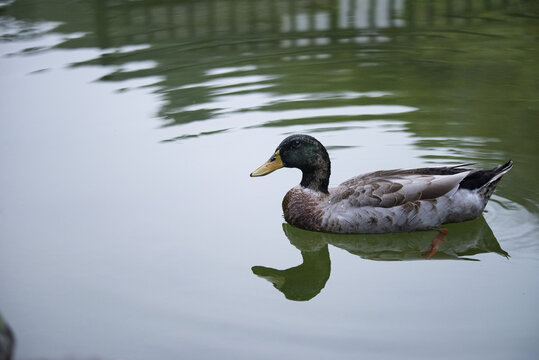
(305, 153)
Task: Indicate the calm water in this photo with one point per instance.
(129, 226)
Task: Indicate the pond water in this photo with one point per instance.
(129, 225)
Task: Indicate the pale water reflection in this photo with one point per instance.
(128, 222)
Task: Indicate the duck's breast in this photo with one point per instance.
(303, 208)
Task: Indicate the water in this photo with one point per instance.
(130, 228)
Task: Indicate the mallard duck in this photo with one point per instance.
(381, 201)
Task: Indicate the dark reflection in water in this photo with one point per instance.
(205, 51)
(305, 281)
(461, 74)
(459, 77)
(302, 282)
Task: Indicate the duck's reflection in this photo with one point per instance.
(302, 282)
(305, 281)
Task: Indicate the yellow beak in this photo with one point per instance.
(269, 166)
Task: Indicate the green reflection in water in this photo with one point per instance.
(465, 71)
(305, 281)
(461, 74)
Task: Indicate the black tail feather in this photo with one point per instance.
(480, 178)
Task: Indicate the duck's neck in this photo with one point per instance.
(317, 178)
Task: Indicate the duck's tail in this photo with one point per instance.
(485, 181)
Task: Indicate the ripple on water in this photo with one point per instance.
(513, 226)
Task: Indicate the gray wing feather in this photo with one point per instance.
(396, 187)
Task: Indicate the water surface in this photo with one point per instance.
(129, 226)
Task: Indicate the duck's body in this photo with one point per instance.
(381, 201)
(385, 201)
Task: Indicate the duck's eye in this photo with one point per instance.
(295, 143)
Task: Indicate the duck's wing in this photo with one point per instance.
(396, 187)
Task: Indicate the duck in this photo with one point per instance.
(384, 201)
